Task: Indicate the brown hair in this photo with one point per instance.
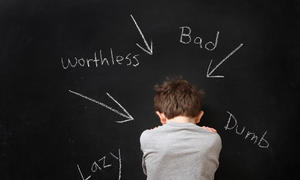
(175, 97)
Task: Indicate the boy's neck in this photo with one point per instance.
(182, 119)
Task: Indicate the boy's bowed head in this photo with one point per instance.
(177, 100)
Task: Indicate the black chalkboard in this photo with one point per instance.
(77, 83)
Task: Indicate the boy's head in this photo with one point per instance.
(177, 97)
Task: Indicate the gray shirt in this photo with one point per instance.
(180, 151)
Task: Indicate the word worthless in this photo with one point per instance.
(102, 164)
(232, 124)
(128, 60)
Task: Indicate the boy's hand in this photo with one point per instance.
(209, 129)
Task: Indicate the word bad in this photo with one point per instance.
(232, 124)
(127, 60)
(186, 38)
(101, 164)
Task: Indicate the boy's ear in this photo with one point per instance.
(197, 120)
(162, 117)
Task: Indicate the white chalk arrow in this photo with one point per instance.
(209, 72)
(126, 115)
(149, 49)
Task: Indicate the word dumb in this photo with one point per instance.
(101, 164)
(232, 124)
(128, 60)
(186, 38)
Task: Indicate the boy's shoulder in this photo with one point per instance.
(151, 137)
(149, 133)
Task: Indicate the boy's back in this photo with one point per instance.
(180, 151)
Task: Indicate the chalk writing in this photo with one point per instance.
(126, 115)
(209, 72)
(101, 164)
(127, 60)
(186, 38)
(232, 124)
(149, 49)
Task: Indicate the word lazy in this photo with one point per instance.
(186, 38)
(232, 124)
(95, 62)
(101, 164)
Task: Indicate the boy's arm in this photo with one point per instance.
(144, 166)
(143, 138)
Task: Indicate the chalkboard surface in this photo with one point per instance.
(77, 83)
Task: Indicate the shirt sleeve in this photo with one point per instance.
(216, 149)
(143, 140)
(218, 144)
(144, 165)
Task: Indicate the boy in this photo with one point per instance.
(179, 149)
